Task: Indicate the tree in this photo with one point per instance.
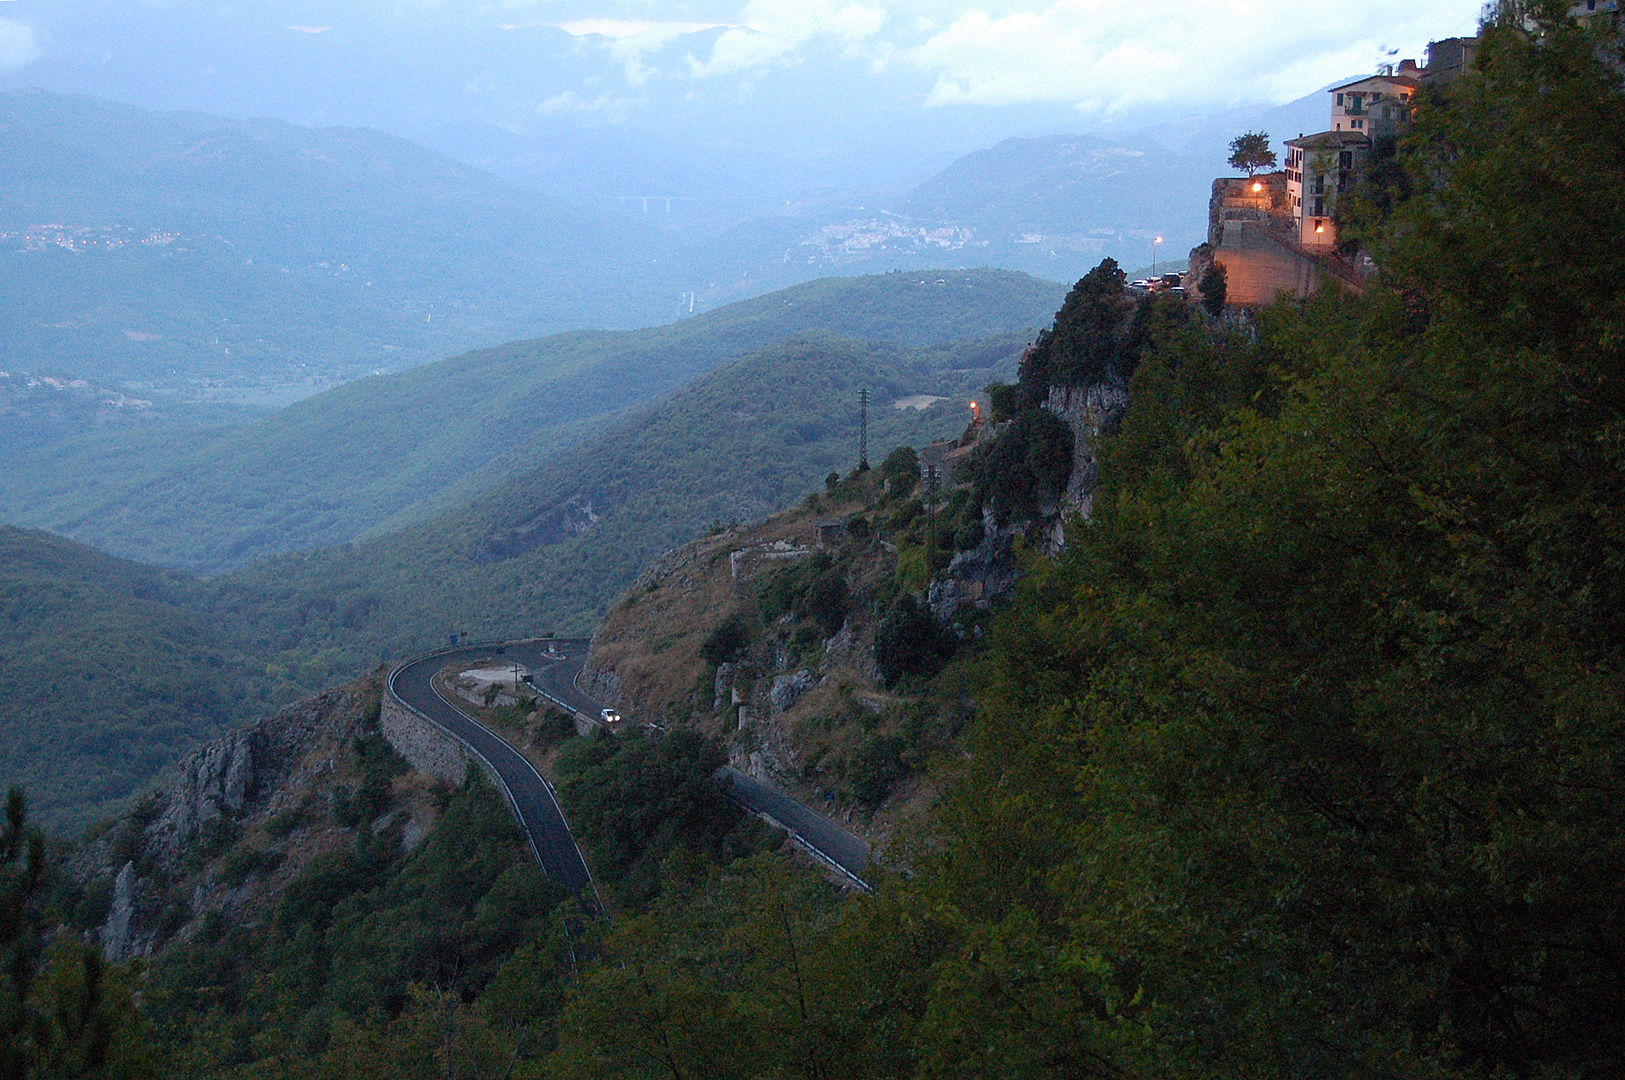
(1215, 286)
(63, 1013)
(910, 641)
(1251, 151)
(1082, 346)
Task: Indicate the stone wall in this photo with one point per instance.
(424, 746)
(1258, 266)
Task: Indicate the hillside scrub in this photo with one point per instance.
(637, 802)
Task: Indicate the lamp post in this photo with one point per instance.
(1154, 244)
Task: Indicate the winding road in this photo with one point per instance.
(555, 667)
(529, 796)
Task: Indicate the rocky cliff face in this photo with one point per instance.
(240, 816)
(1086, 410)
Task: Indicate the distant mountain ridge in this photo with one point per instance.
(386, 452)
(180, 250)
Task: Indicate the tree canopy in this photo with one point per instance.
(1251, 151)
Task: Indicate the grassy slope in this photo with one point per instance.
(390, 451)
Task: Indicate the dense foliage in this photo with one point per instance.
(63, 1014)
(109, 671)
(636, 801)
(1303, 759)
(353, 938)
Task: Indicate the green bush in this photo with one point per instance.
(909, 642)
(826, 600)
(635, 801)
(727, 641)
(1028, 467)
(875, 765)
(242, 861)
(901, 470)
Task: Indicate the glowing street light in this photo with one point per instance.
(1154, 244)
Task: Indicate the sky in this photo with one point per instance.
(783, 83)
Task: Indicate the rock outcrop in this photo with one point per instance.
(1086, 411)
(147, 860)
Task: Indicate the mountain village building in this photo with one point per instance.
(1277, 232)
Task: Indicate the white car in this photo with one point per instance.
(610, 716)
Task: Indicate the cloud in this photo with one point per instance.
(19, 45)
(641, 29)
(629, 41)
(612, 108)
(310, 29)
(1104, 55)
(773, 30)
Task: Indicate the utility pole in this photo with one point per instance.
(863, 430)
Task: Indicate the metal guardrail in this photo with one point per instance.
(490, 769)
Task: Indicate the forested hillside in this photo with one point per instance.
(109, 671)
(549, 549)
(556, 534)
(375, 455)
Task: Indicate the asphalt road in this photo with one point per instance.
(555, 666)
(813, 830)
(529, 796)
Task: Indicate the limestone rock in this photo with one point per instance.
(787, 689)
(1086, 410)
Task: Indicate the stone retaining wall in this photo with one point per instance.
(425, 747)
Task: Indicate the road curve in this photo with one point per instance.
(555, 667)
(528, 794)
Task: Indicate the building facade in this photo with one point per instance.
(1319, 169)
(1377, 107)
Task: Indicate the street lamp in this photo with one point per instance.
(1154, 244)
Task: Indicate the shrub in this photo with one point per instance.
(1215, 286)
(875, 765)
(553, 726)
(727, 641)
(826, 600)
(283, 822)
(901, 469)
(1028, 467)
(910, 642)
